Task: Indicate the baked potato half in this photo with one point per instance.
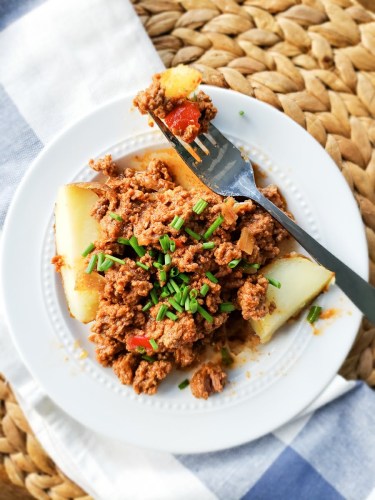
(301, 281)
(75, 229)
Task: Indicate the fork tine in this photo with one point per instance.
(206, 142)
(181, 150)
(217, 135)
(197, 150)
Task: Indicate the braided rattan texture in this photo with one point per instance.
(26, 464)
(312, 59)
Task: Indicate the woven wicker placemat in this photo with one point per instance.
(312, 59)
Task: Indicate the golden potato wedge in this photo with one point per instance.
(301, 281)
(180, 81)
(75, 229)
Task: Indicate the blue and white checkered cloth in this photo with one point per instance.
(58, 61)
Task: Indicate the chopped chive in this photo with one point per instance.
(241, 113)
(140, 349)
(200, 206)
(153, 253)
(175, 305)
(148, 358)
(193, 307)
(184, 277)
(123, 241)
(177, 222)
(187, 304)
(174, 284)
(154, 344)
(178, 225)
(170, 287)
(211, 277)
(115, 259)
(227, 307)
(206, 315)
(147, 306)
(116, 217)
(143, 266)
(165, 292)
(172, 246)
(92, 263)
(167, 259)
(153, 296)
(88, 250)
(156, 285)
(226, 357)
(140, 251)
(161, 313)
(183, 384)
(193, 293)
(157, 265)
(253, 266)
(204, 290)
(185, 294)
(234, 263)
(193, 234)
(106, 265)
(163, 276)
(174, 272)
(178, 297)
(208, 245)
(314, 314)
(100, 261)
(164, 242)
(213, 227)
(171, 315)
(273, 282)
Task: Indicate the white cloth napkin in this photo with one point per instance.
(59, 62)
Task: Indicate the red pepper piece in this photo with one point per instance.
(138, 341)
(182, 116)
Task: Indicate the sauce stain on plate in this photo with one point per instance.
(327, 314)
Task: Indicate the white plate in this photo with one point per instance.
(266, 390)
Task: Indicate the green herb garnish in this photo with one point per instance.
(273, 282)
(92, 263)
(200, 206)
(211, 277)
(213, 227)
(183, 384)
(314, 314)
(116, 217)
(88, 250)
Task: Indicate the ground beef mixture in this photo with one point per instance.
(209, 378)
(185, 117)
(166, 296)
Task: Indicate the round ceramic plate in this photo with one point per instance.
(267, 388)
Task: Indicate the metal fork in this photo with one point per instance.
(226, 172)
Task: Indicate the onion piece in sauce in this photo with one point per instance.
(246, 241)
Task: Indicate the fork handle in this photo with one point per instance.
(361, 293)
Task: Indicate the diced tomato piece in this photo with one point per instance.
(138, 341)
(182, 116)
